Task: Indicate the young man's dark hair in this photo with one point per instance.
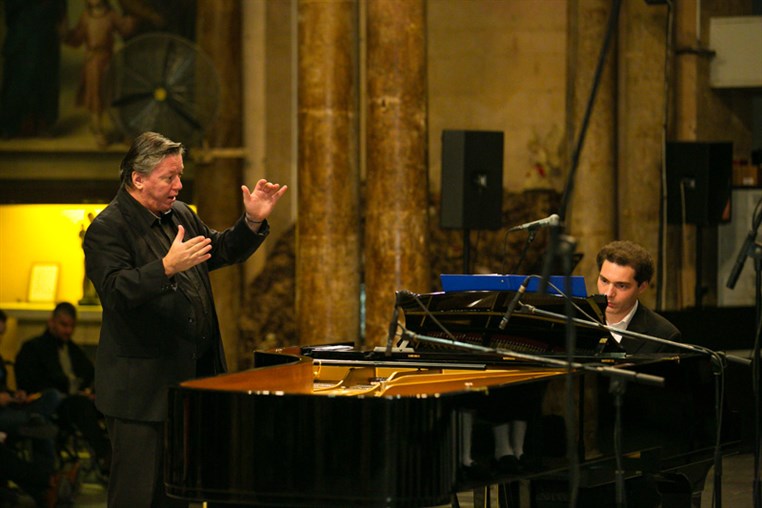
(626, 253)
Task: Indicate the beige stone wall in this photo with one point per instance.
(493, 65)
(270, 110)
(502, 65)
(701, 113)
(499, 65)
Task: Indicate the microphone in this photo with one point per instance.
(553, 220)
(741, 260)
(393, 325)
(745, 251)
(514, 302)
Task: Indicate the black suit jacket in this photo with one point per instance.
(37, 366)
(648, 322)
(148, 335)
(3, 376)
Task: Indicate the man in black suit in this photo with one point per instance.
(625, 271)
(149, 257)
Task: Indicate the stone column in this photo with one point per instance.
(641, 102)
(591, 211)
(218, 180)
(396, 241)
(328, 226)
(682, 239)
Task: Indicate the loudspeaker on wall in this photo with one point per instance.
(699, 177)
(472, 179)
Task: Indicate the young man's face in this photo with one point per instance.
(159, 190)
(618, 283)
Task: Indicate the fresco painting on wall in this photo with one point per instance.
(55, 55)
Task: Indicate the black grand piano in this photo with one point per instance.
(337, 425)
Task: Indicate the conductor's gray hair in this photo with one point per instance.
(146, 152)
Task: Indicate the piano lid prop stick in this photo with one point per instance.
(393, 324)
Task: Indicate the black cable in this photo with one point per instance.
(505, 252)
(530, 239)
(719, 401)
(662, 262)
(610, 28)
(472, 268)
(571, 348)
(617, 389)
(555, 231)
(756, 490)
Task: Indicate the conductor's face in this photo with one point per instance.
(159, 190)
(618, 283)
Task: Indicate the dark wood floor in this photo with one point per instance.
(737, 485)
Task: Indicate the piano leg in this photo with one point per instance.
(669, 490)
(483, 496)
(676, 490)
(505, 495)
(509, 494)
(684, 487)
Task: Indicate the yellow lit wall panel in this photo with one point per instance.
(33, 234)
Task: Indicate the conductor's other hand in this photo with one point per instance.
(184, 255)
(261, 201)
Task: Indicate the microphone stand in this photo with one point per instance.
(757, 490)
(751, 248)
(619, 378)
(530, 238)
(556, 236)
(617, 389)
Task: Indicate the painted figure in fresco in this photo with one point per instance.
(96, 30)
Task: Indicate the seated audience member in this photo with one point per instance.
(625, 271)
(53, 361)
(32, 478)
(47, 488)
(28, 415)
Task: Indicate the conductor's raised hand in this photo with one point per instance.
(260, 201)
(184, 255)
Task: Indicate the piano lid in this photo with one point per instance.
(474, 317)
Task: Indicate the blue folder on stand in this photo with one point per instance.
(509, 282)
